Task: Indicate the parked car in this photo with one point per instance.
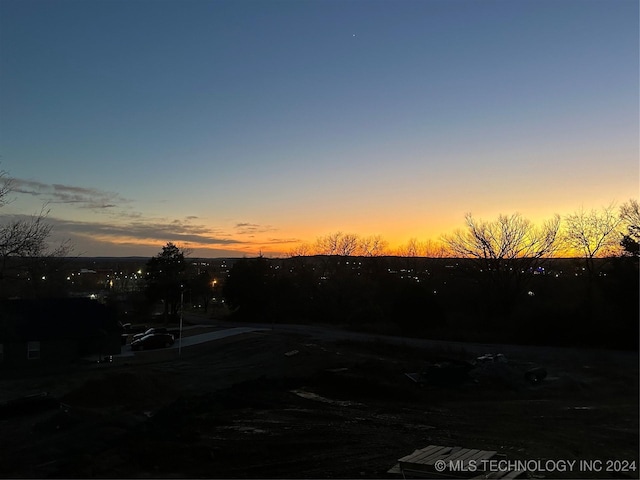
(130, 328)
(150, 331)
(154, 340)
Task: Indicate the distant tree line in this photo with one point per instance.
(588, 234)
(347, 244)
(497, 280)
(500, 280)
(443, 298)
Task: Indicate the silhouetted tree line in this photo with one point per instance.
(503, 284)
(442, 298)
(498, 281)
(490, 281)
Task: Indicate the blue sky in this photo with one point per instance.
(249, 126)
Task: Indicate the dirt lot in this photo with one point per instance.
(265, 405)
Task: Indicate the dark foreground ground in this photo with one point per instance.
(280, 405)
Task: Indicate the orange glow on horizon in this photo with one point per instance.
(397, 234)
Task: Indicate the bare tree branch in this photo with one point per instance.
(6, 186)
(24, 241)
(592, 233)
(630, 217)
(505, 251)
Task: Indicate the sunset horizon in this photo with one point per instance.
(247, 128)
(92, 239)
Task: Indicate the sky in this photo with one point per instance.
(235, 128)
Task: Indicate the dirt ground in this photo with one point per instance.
(268, 404)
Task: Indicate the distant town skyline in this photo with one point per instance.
(236, 128)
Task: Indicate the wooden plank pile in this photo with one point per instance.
(436, 461)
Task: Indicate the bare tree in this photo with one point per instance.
(505, 252)
(6, 185)
(338, 243)
(348, 244)
(433, 249)
(326, 245)
(630, 215)
(413, 248)
(302, 250)
(343, 244)
(416, 248)
(24, 246)
(592, 233)
(509, 237)
(373, 246)
(630, 218)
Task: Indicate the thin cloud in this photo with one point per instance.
(119, 225)
(28, 187)
(247, 225)
(90, 198)
(177, 231)
(246, 228)
(277, 241)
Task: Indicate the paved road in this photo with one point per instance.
(532, 352)
(196, 339)
(443, 347)
(217, 335)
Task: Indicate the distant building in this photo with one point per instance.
(55, 331)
